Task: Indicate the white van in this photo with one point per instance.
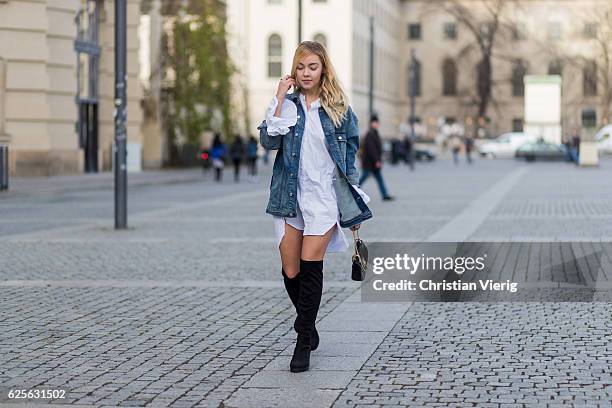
(505, 145)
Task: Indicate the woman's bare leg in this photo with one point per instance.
(290, 250)
(314, 246)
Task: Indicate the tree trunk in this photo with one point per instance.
(484, 85)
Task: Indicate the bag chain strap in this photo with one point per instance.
(355, 239)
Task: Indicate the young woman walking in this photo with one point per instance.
(314, 190)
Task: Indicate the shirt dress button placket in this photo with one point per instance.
(315, 164)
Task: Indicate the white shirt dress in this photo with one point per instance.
(317, 209)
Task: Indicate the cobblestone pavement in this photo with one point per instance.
(127, 346)
(490, 355)
(186, 307)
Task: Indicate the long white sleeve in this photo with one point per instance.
(280, 126)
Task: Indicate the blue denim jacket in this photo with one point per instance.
(343, 143)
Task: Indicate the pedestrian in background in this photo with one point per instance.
(237, 154)
(251, 152)
(469, 146)
(455, 146)
(218, 154)
(371, 158)
(206, 161)
(396, 151)
(576, 145)
(567, 143)
(409, 149)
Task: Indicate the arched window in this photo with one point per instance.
(519, 70)
(321, 39)
(275, 56)
(449, 77)
(414, 77)
(555, 67)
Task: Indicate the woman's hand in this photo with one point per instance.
(355, 227)
(285, 83)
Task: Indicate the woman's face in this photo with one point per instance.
(308, 72)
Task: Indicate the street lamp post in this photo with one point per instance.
(299, 21)
(413, 84)
(120, 146)
(371, 66)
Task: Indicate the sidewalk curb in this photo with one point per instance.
(104, 183)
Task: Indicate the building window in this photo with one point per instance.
(589, 78)
(555, 67)
(275, 1)
(450, 31)
(275, 56)
(519, 31)
(555, 30)
(414, 78)
(517, 125)
(449, 77)
(321, 39)
(519, 70)
(414, 31)
(590, 31)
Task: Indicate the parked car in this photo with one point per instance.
(423, 153)
(541, 150)
(505, 145)
(604, 139)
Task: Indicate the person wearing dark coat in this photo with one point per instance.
(371, 158)
(251, 153)
(237, 151)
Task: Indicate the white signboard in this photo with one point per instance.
(543, 106)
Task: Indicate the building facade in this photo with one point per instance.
(263, 35)
(532, 37)
(40, 76)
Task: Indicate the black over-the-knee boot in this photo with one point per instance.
(311, 288)
(292, 285)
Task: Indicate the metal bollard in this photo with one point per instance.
(4, 170)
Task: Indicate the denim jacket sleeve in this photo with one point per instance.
(352, 146)
(267, 141)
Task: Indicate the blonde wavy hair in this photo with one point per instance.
(333, 99)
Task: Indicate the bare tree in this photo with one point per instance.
(485, 21)
(596, 66)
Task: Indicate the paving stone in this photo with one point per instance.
(282, 398)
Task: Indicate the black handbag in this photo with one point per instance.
(360, 258)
